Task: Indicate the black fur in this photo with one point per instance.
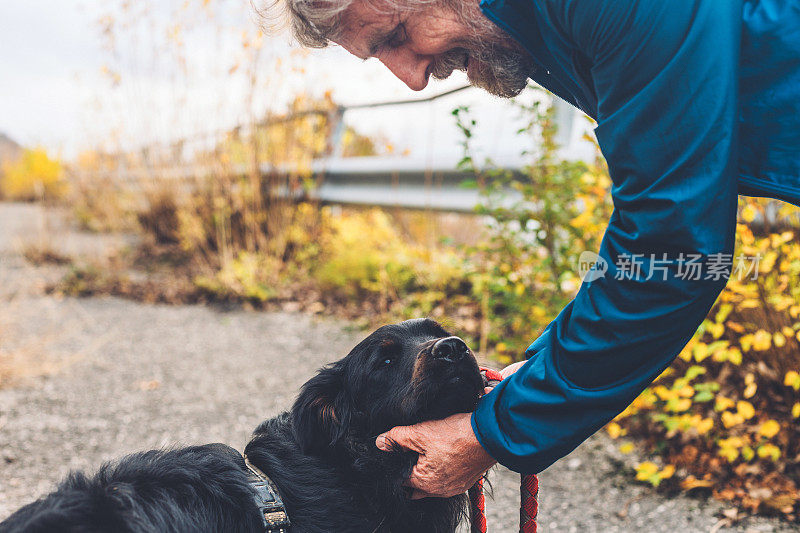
(321, 455)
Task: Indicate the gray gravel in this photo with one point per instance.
(120, 376)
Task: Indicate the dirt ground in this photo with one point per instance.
(104, 377)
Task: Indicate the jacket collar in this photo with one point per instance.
(558, 61)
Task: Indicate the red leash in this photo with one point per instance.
(529, 492)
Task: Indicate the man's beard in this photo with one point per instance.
(497, 63)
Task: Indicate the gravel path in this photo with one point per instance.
(120, 376)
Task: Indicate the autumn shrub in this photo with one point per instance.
(364, 255)
(726, 415)
(34, 176)
(160, 218)
(98, 199)
(539, 220)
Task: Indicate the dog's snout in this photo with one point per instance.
(450, 349)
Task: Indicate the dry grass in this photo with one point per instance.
(44, 254)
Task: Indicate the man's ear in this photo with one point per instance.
(321, 413)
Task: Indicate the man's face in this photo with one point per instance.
(435, 41)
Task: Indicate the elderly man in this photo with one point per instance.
(696, 101)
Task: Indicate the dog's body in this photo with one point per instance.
(321, 455)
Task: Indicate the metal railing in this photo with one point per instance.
(413, 183)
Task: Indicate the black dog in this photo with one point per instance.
(321, 455)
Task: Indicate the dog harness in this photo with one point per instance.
(529, 488)
(268, 500)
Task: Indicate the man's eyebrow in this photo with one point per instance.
(380, 38)
(377, 40)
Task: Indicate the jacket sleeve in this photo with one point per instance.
(665, 74)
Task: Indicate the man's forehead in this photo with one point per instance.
(362, 24)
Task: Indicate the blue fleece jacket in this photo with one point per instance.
(696, 101)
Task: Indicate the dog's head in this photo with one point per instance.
(399, 375)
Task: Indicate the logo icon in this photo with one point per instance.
(591, 266)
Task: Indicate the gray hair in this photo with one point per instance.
(503, 66)
(315, 23)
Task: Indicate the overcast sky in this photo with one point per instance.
(54, 92)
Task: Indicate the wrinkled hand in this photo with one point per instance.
(450, 459)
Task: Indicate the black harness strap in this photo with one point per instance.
(268, 500)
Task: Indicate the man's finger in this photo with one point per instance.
(511, 369)
(404, 436)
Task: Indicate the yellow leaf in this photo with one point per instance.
(748, 453)
(792, 379)
(750, 303)
(748, 213)
(692, 482)
(731, 442)
(761, 340)
(750, 390)
(680, 405)
(729, 453)
(614, 430)
(778, 339)
(796, 410)
(769, 451)
(746, 342)
(769, 429)
(705, 426)
(664, 393)
(701, 351)
(730, 419)
(767, 262)
(686, 391)
(626, 448)
(723, 403)
(735, 326)
(745, 409)
(716, 330)
(645, 470)
(668, 471)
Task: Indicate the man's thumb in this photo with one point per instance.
(402, 436)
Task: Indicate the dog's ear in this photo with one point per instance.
(321, 413)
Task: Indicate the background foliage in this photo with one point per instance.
(723, 418)
(32, 176)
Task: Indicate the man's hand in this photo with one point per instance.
(506, 372)
(510, 369)
(450, 459)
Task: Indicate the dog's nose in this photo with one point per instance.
(450, 349)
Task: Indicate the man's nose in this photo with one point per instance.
(410, 68)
